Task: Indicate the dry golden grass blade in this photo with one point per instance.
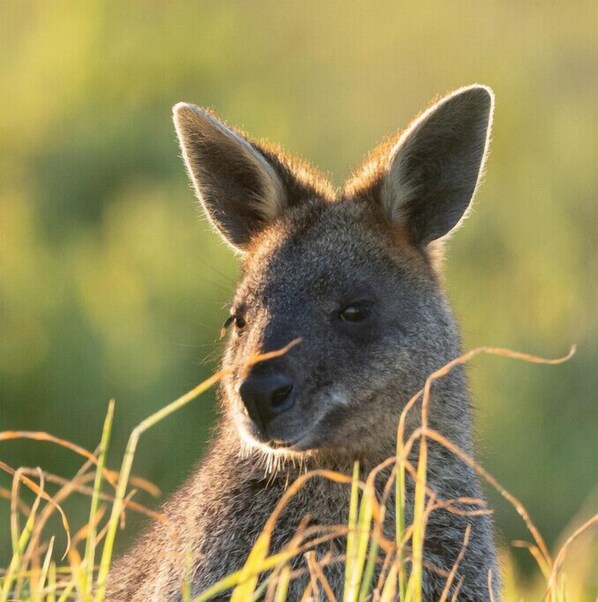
(563, 551)
(519, 507)
(313, 577)
(14, 517)
(111, 476)
(307, 594)
(537, 555)
(270, 355)
(47, 437)
(403, 450)
(283, 571)
(448, 505)
(424, 431)
(84, 531)
(45, 569)
(282, 587)
(455, 597)
(60, 496)
(334, 532)
(331, 475)
(463, 359)
(455, 568)
(138, 483)
(79, 487)
(316, 571)
(388, 563)
(246, 578)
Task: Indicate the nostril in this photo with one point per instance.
(280, 396)
(266, 394)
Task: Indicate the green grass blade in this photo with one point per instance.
(400, 518)
(19, 544)
(419, 525)
(125, 472)
(366, 511)
(236, 578)
(90, 543)
(390, 586)
(368, 573)
(45, 569)
(252, 569)
(351, 534)
(51, 597)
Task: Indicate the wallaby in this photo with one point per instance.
(355, 275)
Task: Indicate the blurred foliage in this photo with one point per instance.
(112, 284)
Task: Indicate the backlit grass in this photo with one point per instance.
(376, 567)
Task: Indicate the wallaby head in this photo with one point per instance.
(353, 274)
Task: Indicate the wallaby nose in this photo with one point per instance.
(267, 394)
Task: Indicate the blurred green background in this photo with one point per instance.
(113, 286)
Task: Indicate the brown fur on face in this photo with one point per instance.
(353, 275)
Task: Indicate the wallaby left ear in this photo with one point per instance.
(434, 168)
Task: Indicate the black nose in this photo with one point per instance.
(267, 394)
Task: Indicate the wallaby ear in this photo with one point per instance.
(240, 190)
(434, 168)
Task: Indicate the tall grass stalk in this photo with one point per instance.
(125, 471)
(90, 547)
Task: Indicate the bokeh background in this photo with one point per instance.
(113, 286)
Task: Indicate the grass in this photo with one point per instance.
(38, 571)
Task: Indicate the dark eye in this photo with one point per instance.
(238, 321)
(355, 312)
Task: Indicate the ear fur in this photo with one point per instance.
(239, 188)
(426, 180)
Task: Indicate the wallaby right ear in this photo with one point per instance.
(240, 190)
(432, 172)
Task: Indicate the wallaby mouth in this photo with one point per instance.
(278, 445)
(254, 438)
(270, 436)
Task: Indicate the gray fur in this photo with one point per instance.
(306, 256)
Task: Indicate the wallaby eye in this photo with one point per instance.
(239, 322)
(355, 312)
